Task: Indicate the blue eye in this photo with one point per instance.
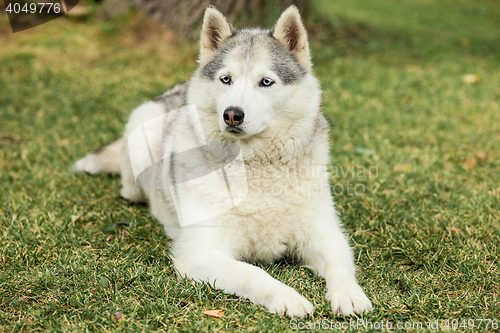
(266, 82)
(226, 79)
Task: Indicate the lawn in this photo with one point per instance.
(412, 91)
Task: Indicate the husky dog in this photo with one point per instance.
(253, 88)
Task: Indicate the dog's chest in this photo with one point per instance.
(276, 214)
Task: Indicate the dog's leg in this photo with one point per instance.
(243, 279)
(328, 253)
(129, 191)
(103, 160)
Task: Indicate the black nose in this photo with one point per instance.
(233, 116)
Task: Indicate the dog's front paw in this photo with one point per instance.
(287, 300)
(348, 298)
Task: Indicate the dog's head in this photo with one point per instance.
(255, 78)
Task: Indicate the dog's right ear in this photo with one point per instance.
(215, 30)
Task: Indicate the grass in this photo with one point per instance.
(424, 224)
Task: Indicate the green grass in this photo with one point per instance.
(73, 254)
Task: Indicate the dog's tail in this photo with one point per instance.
(106, 159)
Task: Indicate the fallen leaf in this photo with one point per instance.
(402, 167)
(470, 163)
(8, 138)
(103, 282)
(455, 229)
(414, 68)
(214, 313)
(470, 78)
(480, 156)
(349, 147)
(119, 316)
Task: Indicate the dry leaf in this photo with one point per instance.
(470, 78)
(214, 313)
(119, 316)
(480, 156)
(8, 138)
(470, 163)
(402, 167)
(414, 68)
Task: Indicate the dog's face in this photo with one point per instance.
(254, 74)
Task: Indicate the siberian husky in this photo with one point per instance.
(254, 89)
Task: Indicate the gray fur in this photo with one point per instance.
(252, 41)
(284, 63)
(211, 68)
(174, 97)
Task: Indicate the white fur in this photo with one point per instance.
(285, 146)
(93, 164)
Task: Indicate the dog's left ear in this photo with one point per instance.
(290, 32)
(214, 31)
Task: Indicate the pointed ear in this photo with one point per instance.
(215, 30)
(290, 32)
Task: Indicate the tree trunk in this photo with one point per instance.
(185, 16)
